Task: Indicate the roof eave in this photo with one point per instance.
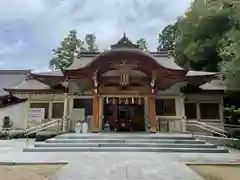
(33, 90)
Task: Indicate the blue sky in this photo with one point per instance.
(30, 29)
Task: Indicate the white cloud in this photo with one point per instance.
(20, 9)
(14, 48)
(46, 22)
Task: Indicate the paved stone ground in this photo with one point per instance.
(115, 165)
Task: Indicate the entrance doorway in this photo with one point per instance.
(124, 117)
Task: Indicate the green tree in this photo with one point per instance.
(90, 40)
(167, 37)
(142, 44)
(70, 47)
(199, 32)
(230, 52)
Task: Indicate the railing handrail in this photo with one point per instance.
(207, 125)
(44, 126)
(207, 129)
(172, 118)
(38, 128)
(231, 125)
(40, 125)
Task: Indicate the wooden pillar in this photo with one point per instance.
(95, 118)
(152, 114)
(183, 120)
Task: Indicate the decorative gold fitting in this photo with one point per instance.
(132, 100)
(126, 101)
(139, 101)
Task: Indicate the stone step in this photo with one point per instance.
(161, 141)
(152, 145)
(125, 149)
(125, 136)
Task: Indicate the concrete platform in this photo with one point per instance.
(115, 165)
(172, 145)
(114, 135)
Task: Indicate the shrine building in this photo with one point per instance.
(126, 88)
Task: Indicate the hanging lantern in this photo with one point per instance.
(132, 100)
(126, 101)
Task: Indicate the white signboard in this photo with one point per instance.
(36, 114)
(78, 114)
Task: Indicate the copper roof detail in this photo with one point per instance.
(162, 59)
(124, 42)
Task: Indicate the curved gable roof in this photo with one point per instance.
(163, 61)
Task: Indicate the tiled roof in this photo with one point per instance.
(50, 73)
(161, 58)
(10, 78)
(31, 84)
(215, 84)
(79, 63)
(168, 62)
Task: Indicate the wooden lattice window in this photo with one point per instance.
(209, 111)
(191, 110)
(165, 107)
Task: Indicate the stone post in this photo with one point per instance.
(27, 108)
(183, 120)
(65, 113)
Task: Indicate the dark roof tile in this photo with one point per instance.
(31, 84)
(10, 78)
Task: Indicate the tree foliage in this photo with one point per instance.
(90, 40)
(207, 38)
(201, 30)
(230, 52)
(142, 44)
(70, 47)
(167, 37)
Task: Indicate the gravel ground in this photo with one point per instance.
(27, 172)
(216, 172)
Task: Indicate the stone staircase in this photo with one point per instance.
(125, 142)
